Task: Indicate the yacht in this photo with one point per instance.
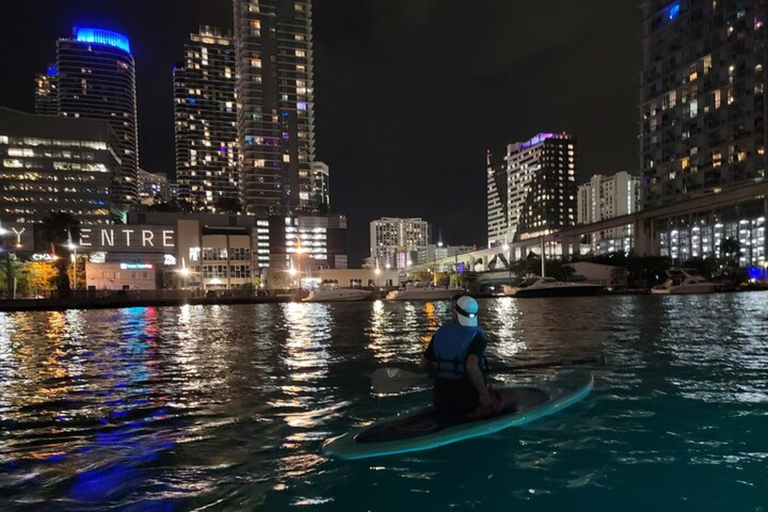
(684, 281)
(537, 286)
(424, 292)
(333, 293)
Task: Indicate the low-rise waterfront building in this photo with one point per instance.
(208, 251)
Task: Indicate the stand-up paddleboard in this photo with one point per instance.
(425, 428)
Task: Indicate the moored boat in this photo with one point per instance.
(684, 281)
(332, 293)
(537, 286)
(417, 292)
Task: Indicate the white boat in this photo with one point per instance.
(684, 281)
(333, 293)
(537, 286)
(423, 292)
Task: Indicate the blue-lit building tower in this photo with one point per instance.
(96, 79)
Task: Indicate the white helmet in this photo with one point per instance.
(466, 311)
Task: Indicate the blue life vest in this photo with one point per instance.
(451, 343)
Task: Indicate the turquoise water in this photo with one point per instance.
(226, 408)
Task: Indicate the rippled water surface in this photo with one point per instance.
(226, 408)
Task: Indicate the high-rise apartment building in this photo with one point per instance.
(531, 188)
(321, 184)
(97, 80)
(46, 92)
(703, 118)
(53, 164)
(275, 103)
(206, 120)
(606, 197)
(395, 242)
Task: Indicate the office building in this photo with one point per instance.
(205, 113)
(46, 92)
(606, 197)
(396, 242)
(54, 164)
(531, 188)
(703, 119)
(275, 104)
(97, 80)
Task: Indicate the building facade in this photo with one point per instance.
(531, 188)
(53, 164)
(396, 242)
(203, 250)
(46, 92)
(205, 112)
(703, 119)
(275, 104)
(154, 187)
(321, 184)
(606, 197)
(97, 80)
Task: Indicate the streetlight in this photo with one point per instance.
(3, 233)
(72, 247)
(184, 271)
(508, 249)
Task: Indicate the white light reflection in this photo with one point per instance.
(509, 335)
(304, 404)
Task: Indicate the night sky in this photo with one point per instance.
(409, 94)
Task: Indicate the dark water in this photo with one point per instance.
(226, 408)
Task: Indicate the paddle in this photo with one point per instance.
(393, 380)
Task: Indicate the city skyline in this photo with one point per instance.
(384, 119)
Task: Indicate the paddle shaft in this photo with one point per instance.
(565, 362)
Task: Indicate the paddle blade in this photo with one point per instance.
(394, 380)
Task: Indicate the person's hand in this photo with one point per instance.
(485, 400)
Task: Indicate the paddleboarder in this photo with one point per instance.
(455, 356)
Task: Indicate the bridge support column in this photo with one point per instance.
(646, 237)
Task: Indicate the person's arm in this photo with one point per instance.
(428, 363)
(476, 376)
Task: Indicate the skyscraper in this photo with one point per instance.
(206, 120)
(275, 115)
(531, 188)
(702, 88)
(703, 119)
(97, 80)
(46, 92)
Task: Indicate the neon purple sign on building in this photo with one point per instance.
(538, 139)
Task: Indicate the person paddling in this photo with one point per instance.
(456, 357)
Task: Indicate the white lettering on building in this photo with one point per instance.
(128, 237)
(18, 234)
(108, 237)
(167, 238)
(85, 235)
(146, 238)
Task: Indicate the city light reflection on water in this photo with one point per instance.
(226, 407)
